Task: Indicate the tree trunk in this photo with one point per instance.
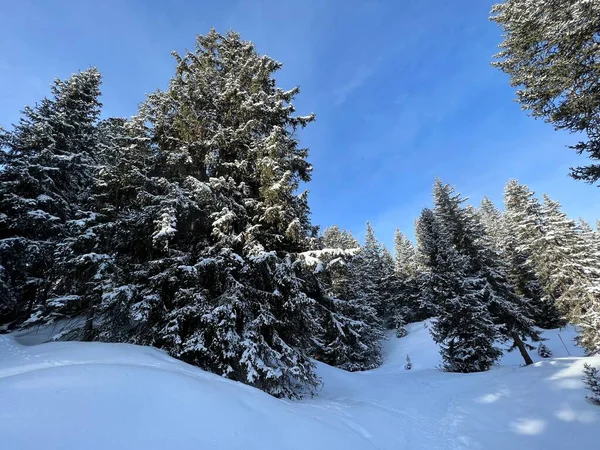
(521, 346)
(88, 330)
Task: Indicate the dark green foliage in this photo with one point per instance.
(556, 72)
(408, 303)
(544, 351)
(524, 226)
(468, 288)
(49, 161)
(509, 311)
(463, 327)
(591, 378)
(352, 329)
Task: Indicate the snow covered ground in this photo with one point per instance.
(81, 396)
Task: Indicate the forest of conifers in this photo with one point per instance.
(183, 228)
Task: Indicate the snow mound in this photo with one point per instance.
(75, 396)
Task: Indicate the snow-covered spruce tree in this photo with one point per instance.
(390, 288)
(108, 257)
(464, 327)
(338, 249)
(339, 252)
(589, 314)
(556, 71)
(408, 306)
(570, 271)
(553, 263)
(510, 311)
(590, 238)
(376, 284)
(223, 286)
(524, 225)
(591, 379)
(352, 331)
(405, 256)
(493, 224)
(8, 301)
(335, 237)
(544, 351)
(48, 168)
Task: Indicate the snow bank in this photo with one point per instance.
(77, 396)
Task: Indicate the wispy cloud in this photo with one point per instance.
(358, 79)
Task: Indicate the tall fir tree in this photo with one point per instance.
(524, 224)
(376, 285)
(352, 331)
(109, 254)
(335, 237)
(49, 162)
(590, 237)
(570, 271)
(339, 253)
(405, 257)
(229, 293)
(556, 72)
(408, 305)
(463, 326)
(509, 311)
(493, 224)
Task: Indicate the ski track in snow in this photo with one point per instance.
(69, 395)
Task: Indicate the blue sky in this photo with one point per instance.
(403, 92)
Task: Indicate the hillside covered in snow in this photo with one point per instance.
(72, 396)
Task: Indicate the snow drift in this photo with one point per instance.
(73, 396)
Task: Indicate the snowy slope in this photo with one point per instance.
(76, 396)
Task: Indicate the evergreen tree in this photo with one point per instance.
(408, 305)
(590, 239)
(225, 289)
(493, 224)
(389, 280)
(375, 286)
(338, 254)
(49, 161)
(334, 237)
(405, 257)
(589, 248)
(591, 378)
(464, 328)
(509, 311)
(556, 71)
(544, 351)
(524, 224)
(570, 272)
(358, 278)
(109, 254)
(352, 331)
(554, 262)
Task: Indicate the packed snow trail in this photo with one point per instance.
(74, 396)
